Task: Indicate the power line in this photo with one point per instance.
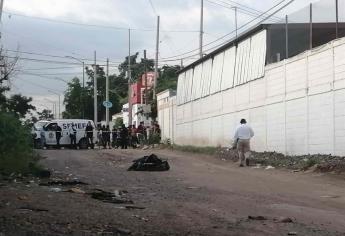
(54, 56)
(246, 8)
(54, 62)
(153, 7)
(241, 27)
(52, 68)
(38, 85)
(96, 25)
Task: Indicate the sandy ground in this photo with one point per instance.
(200, 195)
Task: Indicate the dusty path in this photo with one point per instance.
(200, 195)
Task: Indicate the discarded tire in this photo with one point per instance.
(149, 163)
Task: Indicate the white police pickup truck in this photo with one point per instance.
(49, 132)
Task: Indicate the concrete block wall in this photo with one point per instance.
(298, 107)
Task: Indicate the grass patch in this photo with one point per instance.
(194, 149)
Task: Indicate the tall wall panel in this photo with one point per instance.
(206, 77)
(197, 82)
(339, 122)
(228, 68)
(217, 70)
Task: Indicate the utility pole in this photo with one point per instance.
(201, 27)
(181, 63)
(156, 61)
(1, 7)
(95, 110)
(145, 77)
(336, 19)
(236, 27)
(129, 80)
(107, 93)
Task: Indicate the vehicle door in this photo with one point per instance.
(65, 138)
(50, 134)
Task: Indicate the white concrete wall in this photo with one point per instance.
(166, 109)
(297, 107)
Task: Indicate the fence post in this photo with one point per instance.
(336, 19)
(311, 26)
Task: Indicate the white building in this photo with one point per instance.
(295, 106)
(140, 113)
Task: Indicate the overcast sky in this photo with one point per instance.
(24, 28)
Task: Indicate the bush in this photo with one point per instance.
(16, 153)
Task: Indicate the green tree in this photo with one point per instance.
(167, 78)
(19, 105)
(45, 114)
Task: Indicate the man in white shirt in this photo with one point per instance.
(242, 137)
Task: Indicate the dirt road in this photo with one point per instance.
(200, 195)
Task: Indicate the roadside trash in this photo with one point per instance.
(269, 168)
(284, 220)
(28, 208)
(193, 187)
(55, 190)
(134, 207)
(145, 148)
(63, 183)
(109, 197)
(76, 190)
(141, 218)
(330, 196)
(292, 233)
(258, 166)
(149, 163)
(257, 218)
(23, 198)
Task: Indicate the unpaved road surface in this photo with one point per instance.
(200, 195)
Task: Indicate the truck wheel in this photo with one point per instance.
(83, 143)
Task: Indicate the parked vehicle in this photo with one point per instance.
(49, 131)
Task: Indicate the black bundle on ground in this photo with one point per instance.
(149, 163)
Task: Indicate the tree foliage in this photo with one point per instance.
(79, 100)
(45, 114)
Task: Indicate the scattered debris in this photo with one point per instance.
(63, 183)
(330, 196)
(149, 163)
(55, 190)
(23, 198)
(134, 207)
(141, 218)
(28, 208)
(292, 233)
(284, 220)
(193, 187)
(257, 218)
(269, 168)
(257, 166)
(109, 197)
(76, 190)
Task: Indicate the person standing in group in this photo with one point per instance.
(58, 134)
(134, 139)
(140, 133)
(89, 134)
(73, 135)
(242, 137)
(107, 137)
(124, 137)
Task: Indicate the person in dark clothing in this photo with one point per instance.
(104, 136)
(73, 135)
(114, 137)
(107, 137)
(89, 134)
(124, 137)
(58, 134)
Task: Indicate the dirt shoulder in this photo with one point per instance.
(199, 195)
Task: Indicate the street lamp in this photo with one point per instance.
(54, 106)
(83, 63)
